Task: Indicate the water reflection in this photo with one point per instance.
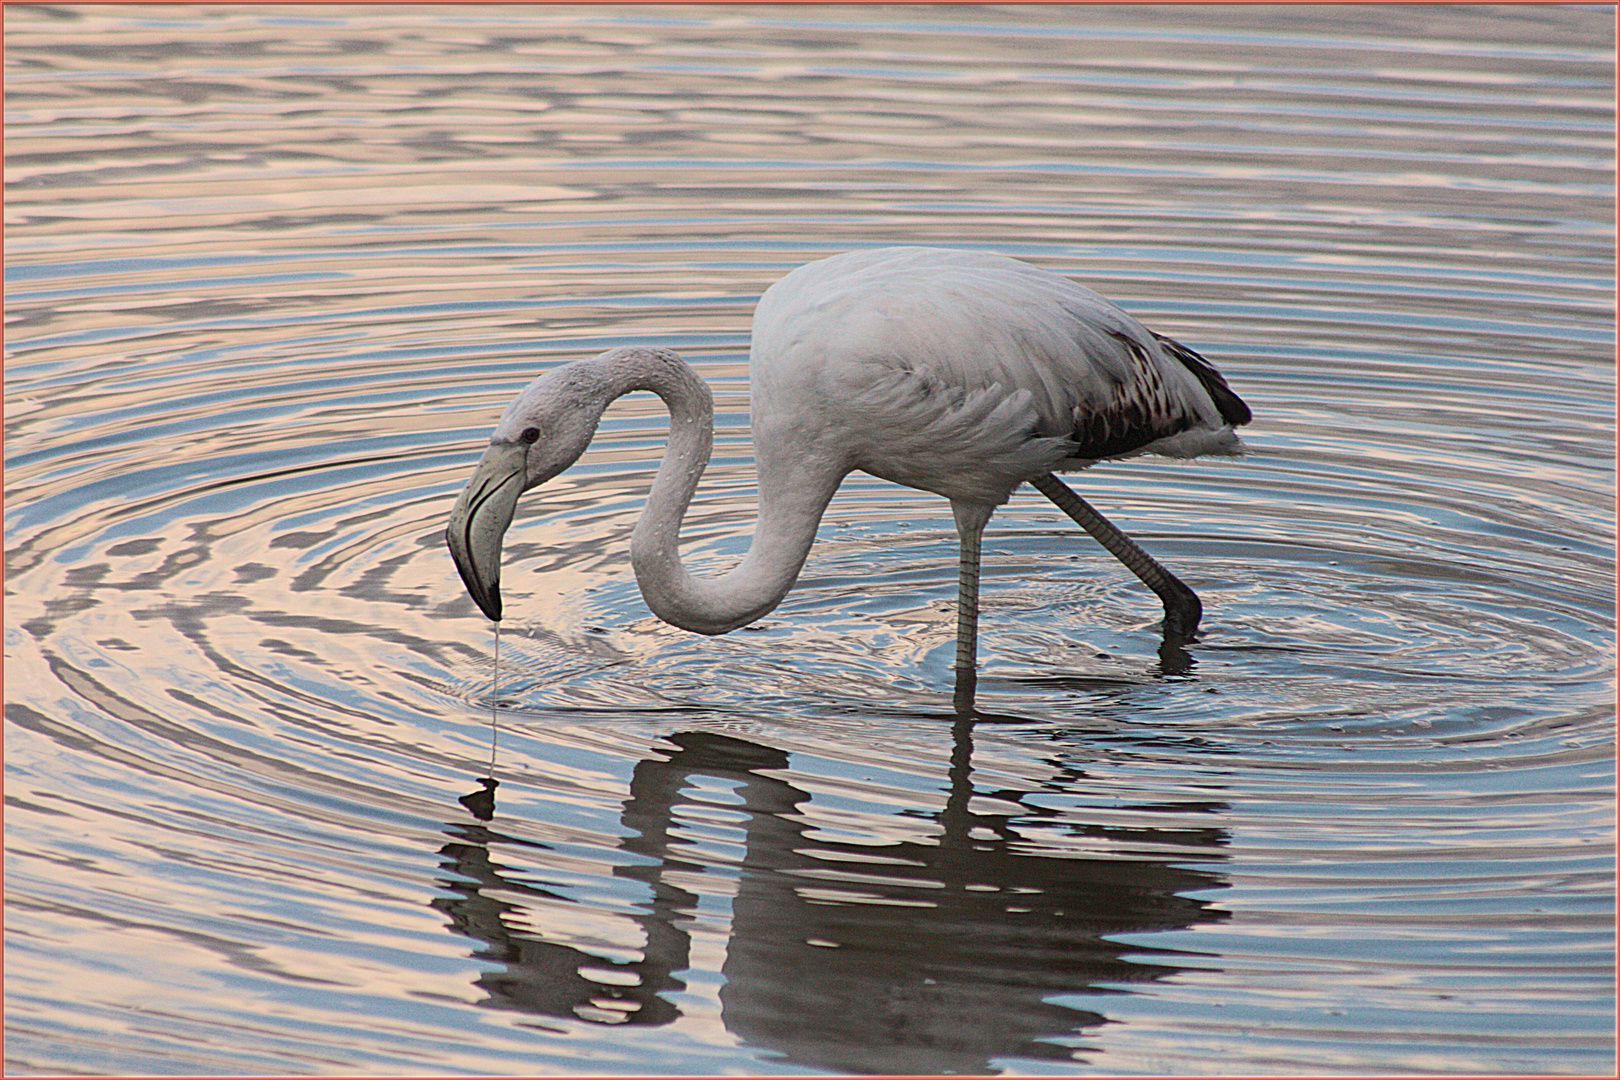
(552, 979)
(937, 956)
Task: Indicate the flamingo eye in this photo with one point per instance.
(530, 435)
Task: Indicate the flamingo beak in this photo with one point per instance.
(480, 519)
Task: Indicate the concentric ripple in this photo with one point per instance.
(272, 273)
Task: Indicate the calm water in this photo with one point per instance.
(272, 272)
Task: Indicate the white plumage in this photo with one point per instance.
(956, 372)
(965, 373)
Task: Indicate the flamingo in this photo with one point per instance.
(958, 372)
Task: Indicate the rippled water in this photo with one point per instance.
(272, 272)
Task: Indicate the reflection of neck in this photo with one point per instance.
(549, 978)
(657, 788)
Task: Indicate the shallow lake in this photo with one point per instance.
(273, 272)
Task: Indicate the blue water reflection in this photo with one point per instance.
(271, 276)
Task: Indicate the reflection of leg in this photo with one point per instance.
(967, 685)
(1182, 608)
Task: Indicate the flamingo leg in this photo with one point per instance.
(970, 522)
(1182, 607)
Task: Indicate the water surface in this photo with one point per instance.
(272, 272)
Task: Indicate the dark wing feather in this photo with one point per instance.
(1141, 411)
(1233, 409)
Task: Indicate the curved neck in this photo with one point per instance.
(792, 500)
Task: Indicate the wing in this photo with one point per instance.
(985, 324)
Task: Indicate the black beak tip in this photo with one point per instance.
(488, 600)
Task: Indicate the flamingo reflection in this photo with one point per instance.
(933, 955)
